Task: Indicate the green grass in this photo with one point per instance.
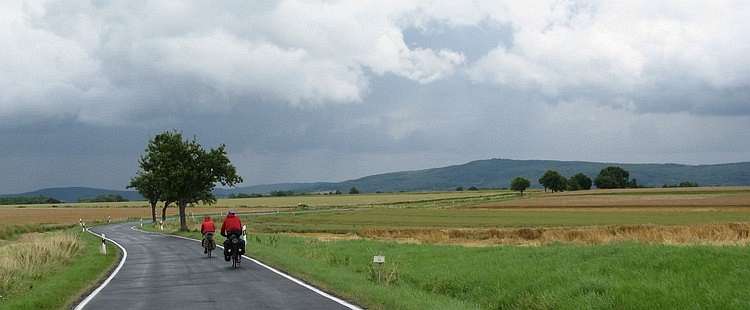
(62, 287)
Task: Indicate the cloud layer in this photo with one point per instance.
(368, 87)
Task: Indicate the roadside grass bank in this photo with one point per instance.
(559, 276)
(556, 276)
(52, 270)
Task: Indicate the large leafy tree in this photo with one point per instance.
(579, 182)
(612, 177)
(519, 184)
(554, 181)
(184, 172)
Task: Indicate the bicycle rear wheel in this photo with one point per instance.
(209, 247)
(235, 259)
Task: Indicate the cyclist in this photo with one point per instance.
(207, 231)
(231, 229)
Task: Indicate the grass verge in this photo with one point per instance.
(417, 276)
(558, 276)
(63, 282)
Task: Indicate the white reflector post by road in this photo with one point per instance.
(379, 259)
(104, 245)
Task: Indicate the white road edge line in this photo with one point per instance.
(293, 279)
(111, 276)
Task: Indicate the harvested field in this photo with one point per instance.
(714, 233)
(71, 215)
(704, 197)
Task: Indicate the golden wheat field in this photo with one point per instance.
(647, 202)
(71, 215)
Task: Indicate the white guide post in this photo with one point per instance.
(104, 245)
(379, 259)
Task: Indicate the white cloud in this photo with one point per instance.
(122, 58)
(623, 49)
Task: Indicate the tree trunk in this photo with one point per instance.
(183, 221)
(164, 212)
(153, 210)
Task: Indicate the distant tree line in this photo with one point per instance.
(682, 184)
(285, 193)
(104, 198)
(26, 200)
(609, 177)
(243, 195)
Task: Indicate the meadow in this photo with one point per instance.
(634, 249)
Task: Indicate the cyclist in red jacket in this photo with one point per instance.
(232, 224)
(232, 228)
(207, 231)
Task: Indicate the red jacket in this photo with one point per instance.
(207, 227)
(231, 223)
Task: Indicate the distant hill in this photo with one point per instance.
(490, 173)
(497, 173)
(73, 194)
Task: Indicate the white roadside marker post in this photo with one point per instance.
(104, 245)
(244, 233)
(379, 259)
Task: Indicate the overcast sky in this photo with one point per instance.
(304, 91)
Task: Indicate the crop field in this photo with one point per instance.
(625, 249)
(71, 213)
(721, 198)
(597, 249)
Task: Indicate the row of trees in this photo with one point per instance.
(24, 200)
(182, 172)
(104, 198)
(610, 177)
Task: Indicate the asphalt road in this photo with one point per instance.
(166, 272)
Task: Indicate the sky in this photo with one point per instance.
(307, 91)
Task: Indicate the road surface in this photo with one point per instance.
(166, 272)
